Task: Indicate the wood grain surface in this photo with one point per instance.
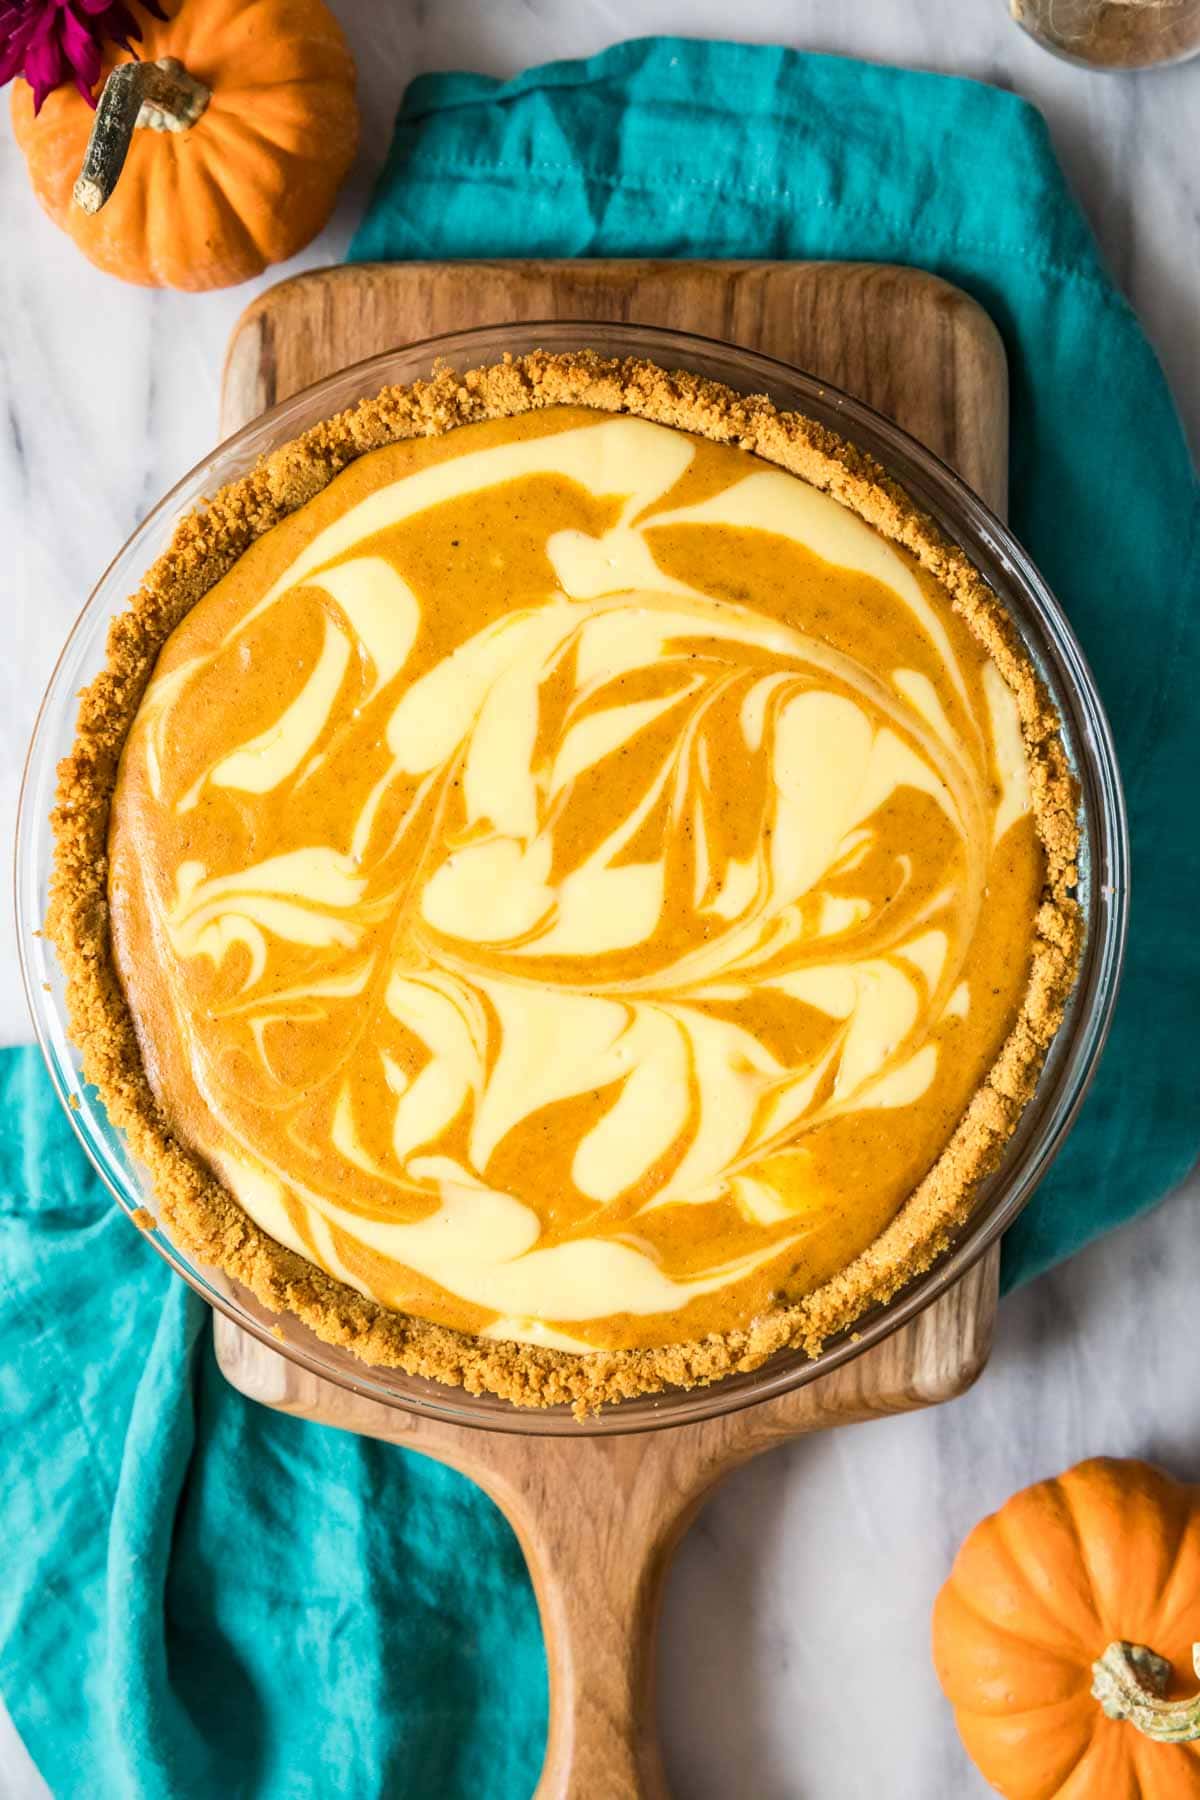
(598, 1517)
(907, 342)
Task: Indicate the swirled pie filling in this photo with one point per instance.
(569, 879)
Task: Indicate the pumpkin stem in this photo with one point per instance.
(1130, 1682)
(158, 96)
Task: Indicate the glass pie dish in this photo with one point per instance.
(1048, 641)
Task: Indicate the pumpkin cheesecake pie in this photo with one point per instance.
(566, 881)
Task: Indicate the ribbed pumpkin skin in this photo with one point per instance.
(248, 184)
(1108, 1551)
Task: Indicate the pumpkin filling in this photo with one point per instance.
(570, 878)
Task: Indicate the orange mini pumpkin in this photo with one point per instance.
(1066, 1635)
(246, 129)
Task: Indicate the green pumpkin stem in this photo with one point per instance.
(155, 96)
(1131, 1682)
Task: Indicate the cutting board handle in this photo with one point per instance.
(598, 1520)
(599, 1517)
(599, 1604)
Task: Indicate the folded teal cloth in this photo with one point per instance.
(200, 1597)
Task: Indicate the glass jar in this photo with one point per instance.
(1113, 34)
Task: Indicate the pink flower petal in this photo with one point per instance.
(81, 49)
(53, 41)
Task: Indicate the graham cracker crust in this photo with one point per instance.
(202, 1216)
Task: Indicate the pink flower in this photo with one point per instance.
(52, 41)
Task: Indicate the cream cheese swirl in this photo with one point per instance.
(634, 891)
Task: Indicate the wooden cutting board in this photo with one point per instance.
(598, 1517)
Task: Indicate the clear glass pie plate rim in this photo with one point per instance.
(1104, 862)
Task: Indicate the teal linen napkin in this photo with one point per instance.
(198, 1597)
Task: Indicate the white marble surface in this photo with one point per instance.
(810, 1577)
